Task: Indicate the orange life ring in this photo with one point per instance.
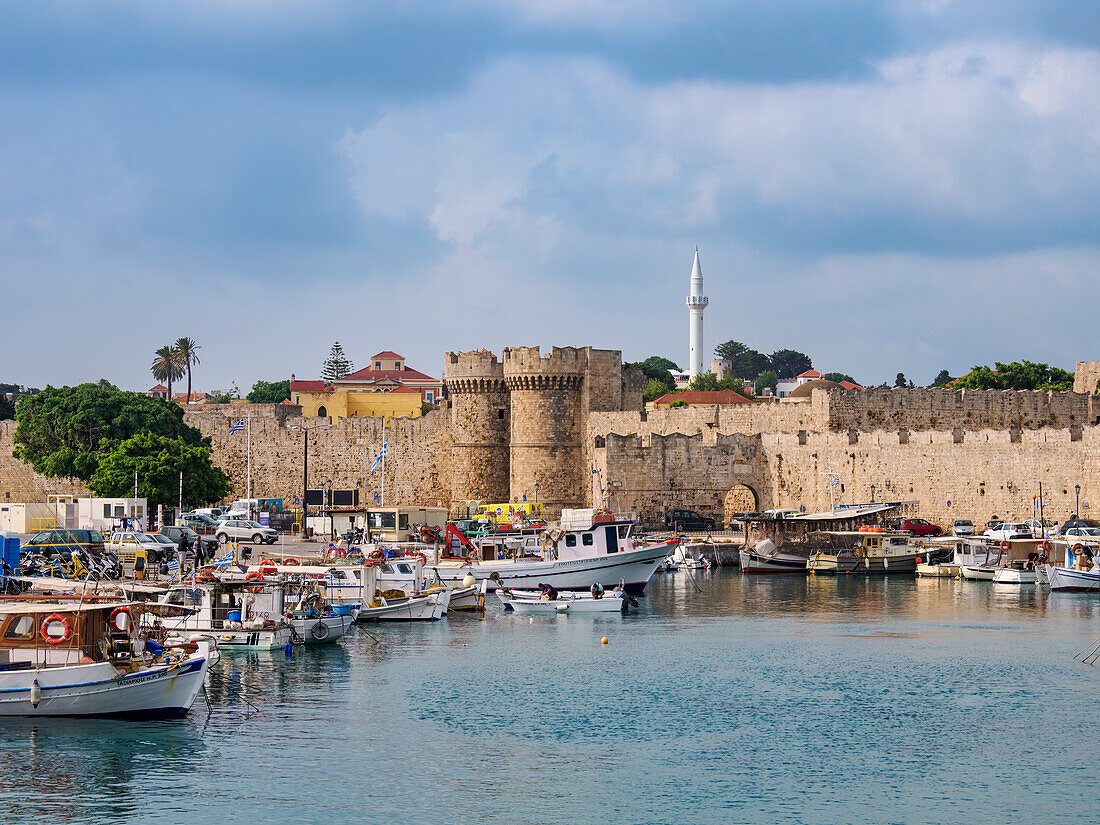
(118, 611)
(1047, 546)
(66, 626)
(255, 575)
(421, 556)
(267, 562)
(1005, 545)
(290, 560)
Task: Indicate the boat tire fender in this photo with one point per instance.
(319, 631)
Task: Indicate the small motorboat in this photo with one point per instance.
(1017, 574)
(532, 601)
(1080, 574)
(765, 559)
(397, 607)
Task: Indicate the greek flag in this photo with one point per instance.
(378, 458)
(224, 561)
(173, 568)
(835, 481)
(238, 427)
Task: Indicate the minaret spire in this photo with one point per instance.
(696, 303)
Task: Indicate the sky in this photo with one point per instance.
(886, 185)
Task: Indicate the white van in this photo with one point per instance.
(243, 507)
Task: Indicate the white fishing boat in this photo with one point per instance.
(1017, 574)
(690, 556)
(400, 608)
(964, 552)
(765, 559)
(588, 547)
(64, 658)
(572, 602)
(1080, 573)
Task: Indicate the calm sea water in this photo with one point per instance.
(758, 701)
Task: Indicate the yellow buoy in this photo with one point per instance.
(603, 641)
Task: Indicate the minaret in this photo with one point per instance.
(696, 303)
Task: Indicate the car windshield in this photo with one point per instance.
(964, 523)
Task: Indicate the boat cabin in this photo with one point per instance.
(217, 605)
(44, 634)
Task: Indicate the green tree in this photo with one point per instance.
(789, 363)
(337, 365)
(943, 378)
(708, 382)
(269, 392)
(187, 352)
(1018, 375)
(768, 380)
(837, 377)
(676, 404)
(900, 380)
(656, 368)
(7, 408)
(64, 431)
(655, 389)
(158, 462)
(659, 363)
(167, 366)
(745, 363)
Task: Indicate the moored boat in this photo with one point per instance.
(765, 559)
(1080, 573)
(872, 553)
(70, 659)
(532, 601)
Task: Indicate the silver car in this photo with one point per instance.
(241, 529)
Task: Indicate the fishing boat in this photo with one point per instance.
(689, 555)
(960, 552)
(1017, 574)
(765, 559)
(398, 607)
(872, 553)
(65, 658)
(1079, 574)
(532, 601)
(587, 547)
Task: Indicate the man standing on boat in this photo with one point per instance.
(181, 550)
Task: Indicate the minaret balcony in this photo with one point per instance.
(697, 301)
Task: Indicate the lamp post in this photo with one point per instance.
(305, 465)
(1077, 508)
(872, 493)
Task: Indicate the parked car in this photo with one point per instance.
(1075, 522)
(241, 529)
(122, 540)
(680, 520)
(53, 542)
(173, 535)
(199, 522)
(212, 512)
(1009, 530)
(915, 526)
(962, 527)
(1088, 533)
(1042, 528)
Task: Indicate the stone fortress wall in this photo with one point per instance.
(1086, 376)
(572, 422)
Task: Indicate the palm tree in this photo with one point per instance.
(186, 350)
(167, 366)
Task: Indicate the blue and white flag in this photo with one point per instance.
(238, 427)
(173, 568)
(835, 481)
(224, 561)
(378, 458)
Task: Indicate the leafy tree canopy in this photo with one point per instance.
(337, 365)
(837, 377)
(656, 368)
(943, 378)
(899, 381)
(269, 392)
(64, 431)
(1018, 375)
(655, 389)
(158, 461)
(768, 380)
(7, 409)
(788, 363)
(745, 362)
(708, 382)
(660, 363)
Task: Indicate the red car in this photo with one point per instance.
(919, 527)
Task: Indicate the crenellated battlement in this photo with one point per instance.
(476, 364)
(560, 361)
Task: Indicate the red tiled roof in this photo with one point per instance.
(704, 397)
(387, 354)
(848, 385)
(811, 373)
(310, 386)
(158, 388)
(368, 374)
(406, 389)
(195, 396)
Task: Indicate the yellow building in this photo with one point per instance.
(319, 399)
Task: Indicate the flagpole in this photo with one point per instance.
(383, 461)
(249, 495)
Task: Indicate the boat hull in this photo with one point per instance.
(938, 571)
(758, 564)
(633, 567)
(884, 565)
(421, 609)
(321, 630)
(98, 690)
(608, 604)
(1068, 579)
(978, 572)
(1016, 578)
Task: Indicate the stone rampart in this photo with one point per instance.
(1086, 376)
(19, 483)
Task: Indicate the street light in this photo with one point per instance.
(305, 465)
(1077, 509)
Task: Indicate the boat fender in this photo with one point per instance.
(319, 631)
(561, 608)
(66, 629)
(917, 559)
(36, 694)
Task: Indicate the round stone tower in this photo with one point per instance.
(480, 421)
(547, 425)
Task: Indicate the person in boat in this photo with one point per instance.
(597, 590)
(548, 591)
(181, 550)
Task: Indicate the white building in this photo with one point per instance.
(106, 513)
(696, 303)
